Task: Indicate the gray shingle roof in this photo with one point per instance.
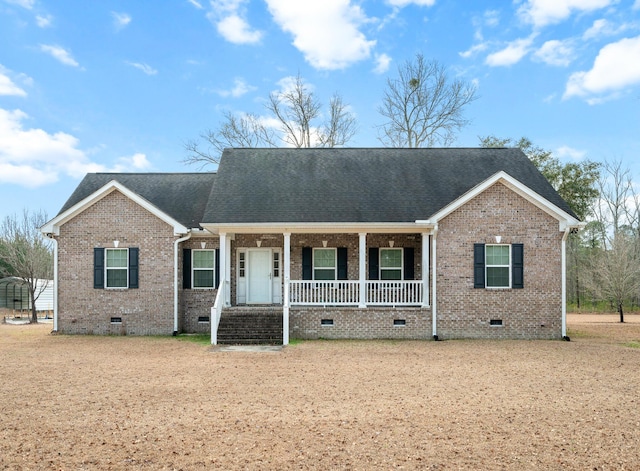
(183, 196)
(358, 185)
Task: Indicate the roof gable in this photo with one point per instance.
(176, 198)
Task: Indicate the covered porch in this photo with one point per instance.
(315, 274)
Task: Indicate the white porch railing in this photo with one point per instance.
(394, 293)
(216, 312)
(347, 293)
(323, 293)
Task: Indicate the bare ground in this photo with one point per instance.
(81, 402)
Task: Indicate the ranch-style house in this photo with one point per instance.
(433, 243)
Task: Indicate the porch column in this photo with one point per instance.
(225, 264)
(425, 269)
(287, 277)
(362, 269)
(434, 303)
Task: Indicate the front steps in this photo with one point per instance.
(250, 325)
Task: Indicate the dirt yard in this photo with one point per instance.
(93, 403)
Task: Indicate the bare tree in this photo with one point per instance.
(27, 253)
(236, 131)
(615, 268)
(615, 272)
(340, 128)
(423, 106)
(297, 114)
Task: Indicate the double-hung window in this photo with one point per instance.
(117, 268)
(498, 266)
(324, 264)
(203, 264)
(390, 264)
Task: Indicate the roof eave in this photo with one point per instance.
(53, 226)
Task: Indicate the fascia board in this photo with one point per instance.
(519, 188)
(53, 226)
(316, 227)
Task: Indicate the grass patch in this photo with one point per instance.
(203, 339)
(633, 344)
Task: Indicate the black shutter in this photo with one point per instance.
(409, 270)
(217, 269)
(374, 263)
(307, 263)
(98, 268)
(186, 268)
(478, 266)
(133, 267)
(342, 263)
(517, 266)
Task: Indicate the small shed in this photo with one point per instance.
(14, 294)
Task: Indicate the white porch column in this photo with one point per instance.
(362, 269)
(434, 302)
(224, 264)
(425, 269)
(563, 261)
(287, 278)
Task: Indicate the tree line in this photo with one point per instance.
(422, 107)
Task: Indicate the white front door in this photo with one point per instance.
(259, 276)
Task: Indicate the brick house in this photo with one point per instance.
(318, 243)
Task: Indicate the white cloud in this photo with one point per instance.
(636, 5)
(28, 4)
(229, 18)
(615, 68)
(383, 62)
(556, 52)
(404, 3)
(196, 4)
(44, 21)
(147, 69)
(569, 153)
(492, 18)
(544, 12)
(511, 54)
(7, 86)
(603, 27)
(120, 20)
(34, 157)
(325, 32)
(60, 54)
(473, 50)
(236, 30)
(240, 88)
(137, 161)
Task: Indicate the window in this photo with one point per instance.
(390, 264)
(324, 264)
(117, 268)
(498, 266)
(241, 264)
(276, 264)
(203, 264)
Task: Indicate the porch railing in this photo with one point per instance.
(310, 293)
(347, 293)
(216, 312)
(394, 293)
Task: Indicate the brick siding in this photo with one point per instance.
(534, 312)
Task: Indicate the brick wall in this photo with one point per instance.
(195, 303)
(147, 310)
(354, 323)
(533, 312)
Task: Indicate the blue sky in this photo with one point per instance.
(121, 86)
